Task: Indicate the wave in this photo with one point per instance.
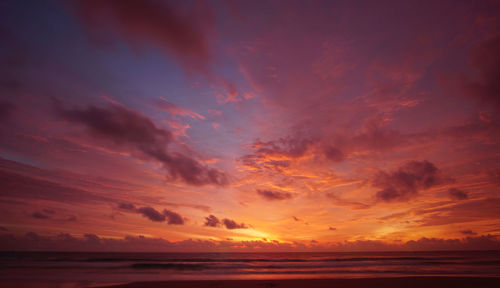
(168, 266)
(268, 260)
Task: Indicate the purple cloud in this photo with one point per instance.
(212, 221)
(154, 215)
(274, 195)
(151, 214)
(334, 154)
(457, 194)
(173, 218)
(231, 224)
(131, 129)
(405, 183)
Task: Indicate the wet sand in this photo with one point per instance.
(405, 282)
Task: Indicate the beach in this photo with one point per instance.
(407, 282)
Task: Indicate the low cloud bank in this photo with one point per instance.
(91, 242)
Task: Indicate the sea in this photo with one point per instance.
(72, 270)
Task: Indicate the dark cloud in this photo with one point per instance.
(334, 154)
(128, 128)
(212, 221)
(375, 137)
(151, 213)
(486, 59)
(120, 125)
(457, 194)
(231, 224)
(51, 214)
(173, 218)
(407, 181)
(274, 195)
(40, 215)
(468, 232)
(264, 152)
(126, 206)
(178, 28)
(154, 215)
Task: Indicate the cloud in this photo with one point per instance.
(51, 214)
(164, 105)
(460, 212)
(203, 208)
(468, 232)
(274, 195)
(354, 205)
(173, 218)
(40, 215)
(17, 185)
(292, 147)
(212, 221)
(407, 181)
(128, 128)
(231, 224)
(126, 206)
(334, 154)
(457, 194)
(486, 59)
(178, 29)
(154, 215)
(91, 242)
(151, 214)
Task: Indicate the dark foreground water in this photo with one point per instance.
(82, 269)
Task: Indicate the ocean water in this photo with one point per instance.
(84, 269)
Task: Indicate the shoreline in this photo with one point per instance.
(406, 282)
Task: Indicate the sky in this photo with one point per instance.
(249, 125)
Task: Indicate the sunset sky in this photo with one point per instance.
(249, 125)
